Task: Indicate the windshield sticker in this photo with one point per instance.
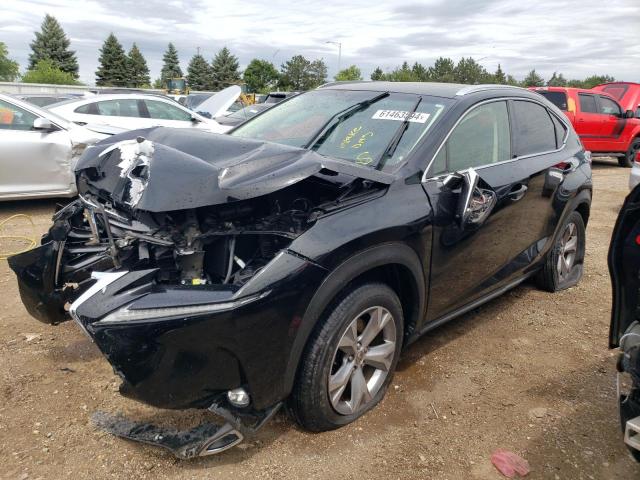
(401, 116)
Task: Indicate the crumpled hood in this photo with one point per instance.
(163, 169)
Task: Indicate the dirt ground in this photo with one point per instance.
(529, 372)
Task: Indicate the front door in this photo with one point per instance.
(465, 262)
(32, 162)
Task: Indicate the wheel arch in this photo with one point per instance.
(395, 264)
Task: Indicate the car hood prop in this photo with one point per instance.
(163, 169)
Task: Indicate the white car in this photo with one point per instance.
(38, 151)
(132, 111)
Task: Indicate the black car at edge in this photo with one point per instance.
(292, 260)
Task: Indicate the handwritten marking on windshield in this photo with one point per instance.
(350, 136)
(363, 139)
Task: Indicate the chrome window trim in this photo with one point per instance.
(484, 102)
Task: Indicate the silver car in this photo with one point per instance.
(38, 151)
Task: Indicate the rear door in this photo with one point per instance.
(32, 162)
(542, 164)
(124, 113)
(167, 115)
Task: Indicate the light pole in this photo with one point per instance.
(339, 44)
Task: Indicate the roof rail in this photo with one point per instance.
(479, 88)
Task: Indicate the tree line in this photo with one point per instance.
(51, 61)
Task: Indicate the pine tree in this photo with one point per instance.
(51, 43)
(377, 74)
(224, 69)
(533, 80)
(557, 80)
(138, 69)
(113, 69)
(499, 77)
(442, 70)
(170, 64)
(199, 73)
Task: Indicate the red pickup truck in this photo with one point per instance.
(604, 127)
(626, 93)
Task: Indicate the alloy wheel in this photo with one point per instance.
(568, 250)
(362, 360)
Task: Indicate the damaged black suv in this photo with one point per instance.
(294, 259)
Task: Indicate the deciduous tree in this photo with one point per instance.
(9, 69)
(377, 74)
(46, 71)
(348, 74)
(260, 76)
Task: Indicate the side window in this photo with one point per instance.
(85, 109)
(609, 107)
(587, 103)
(439, 163)
(119, 108)
(165, 111)
(15, 118)
(481, 138)
(534, 132)
(561, 130)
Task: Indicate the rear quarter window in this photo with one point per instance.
(559, 99)
(534, 129)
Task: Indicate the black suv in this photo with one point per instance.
(294, 259)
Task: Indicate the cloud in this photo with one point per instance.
(598, 37)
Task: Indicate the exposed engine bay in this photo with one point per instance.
(221, 244)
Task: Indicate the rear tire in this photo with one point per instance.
(564, 263)
(630, 156)
(346, 368)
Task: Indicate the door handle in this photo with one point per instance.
(518, 192)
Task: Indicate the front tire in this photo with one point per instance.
(564, 263)
(350, 359)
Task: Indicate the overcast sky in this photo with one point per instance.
(575, 38)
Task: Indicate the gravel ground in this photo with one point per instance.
(529, 372)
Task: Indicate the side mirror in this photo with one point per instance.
(628, 114)
(475, 204)
(42, 124)
(469, 184)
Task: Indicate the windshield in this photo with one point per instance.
(357, 126)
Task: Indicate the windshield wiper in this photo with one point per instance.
(395, 140)
(325, 130)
